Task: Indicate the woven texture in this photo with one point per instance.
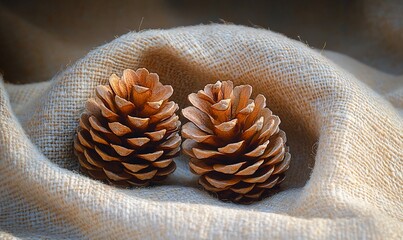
(342, 123)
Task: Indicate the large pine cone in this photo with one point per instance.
(128, 134)
(234, 142)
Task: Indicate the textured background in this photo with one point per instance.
(40, 38)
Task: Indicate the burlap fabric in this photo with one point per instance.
(342, 122)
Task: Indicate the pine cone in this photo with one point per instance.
(128, 134)
(234, 142)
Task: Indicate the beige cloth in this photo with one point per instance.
(342, 121)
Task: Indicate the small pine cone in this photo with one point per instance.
(234, 142)
(128, 134)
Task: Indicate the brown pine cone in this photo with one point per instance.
(234, 142)
(128, 134)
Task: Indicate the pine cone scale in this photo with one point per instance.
(249, 170)
(228, 169)
(134, 167)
